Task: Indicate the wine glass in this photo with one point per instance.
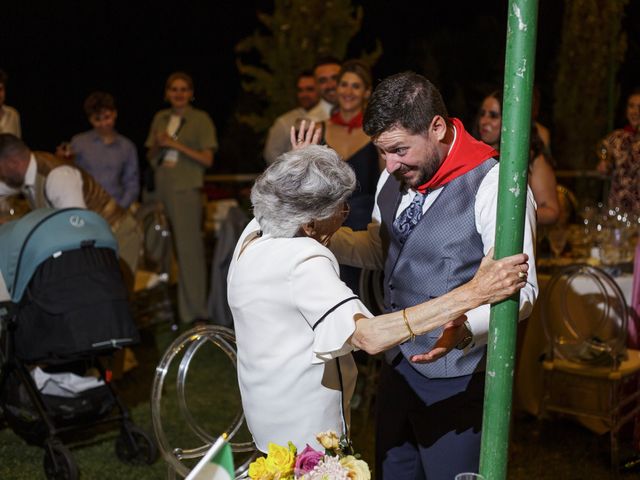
(557, 237)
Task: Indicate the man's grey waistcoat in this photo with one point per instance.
(442, 252)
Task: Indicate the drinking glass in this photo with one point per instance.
(615, 246)
(557, 237)
(579, 240)
(469, 476)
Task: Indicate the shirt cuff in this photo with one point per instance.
(478, 319)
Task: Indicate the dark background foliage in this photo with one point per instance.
(58, 52)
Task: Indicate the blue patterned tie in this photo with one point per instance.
(409, 218)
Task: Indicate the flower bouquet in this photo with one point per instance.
(337, 462)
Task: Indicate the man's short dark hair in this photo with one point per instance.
(3, 78)
(97, 102)
(11, 145)
(406, 100)
(304, 74)
(326, 61)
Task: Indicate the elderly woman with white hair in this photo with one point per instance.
(296, 322)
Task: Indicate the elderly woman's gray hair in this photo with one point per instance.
(299, 187)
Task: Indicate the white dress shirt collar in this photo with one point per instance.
(32, 171)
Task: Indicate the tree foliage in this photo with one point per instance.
(292, 38)
(591, 51)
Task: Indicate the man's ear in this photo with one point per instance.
(438, 127)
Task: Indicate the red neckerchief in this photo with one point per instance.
(355, 122)
(629, 128)
(465, 155)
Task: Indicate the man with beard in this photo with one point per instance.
(434, 219)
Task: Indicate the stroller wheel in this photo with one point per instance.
(134, 446)
(59, 463)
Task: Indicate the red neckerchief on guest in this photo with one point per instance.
(355, 122)
(629, 128)
(465, 155)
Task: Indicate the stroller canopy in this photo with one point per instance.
(29, 241)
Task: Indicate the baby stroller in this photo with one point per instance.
(64, 306)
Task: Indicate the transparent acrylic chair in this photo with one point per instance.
(178, 360)
(588, 372)
(151, 300)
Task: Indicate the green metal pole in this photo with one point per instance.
(512, 193)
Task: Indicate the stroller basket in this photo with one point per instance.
(23, 416)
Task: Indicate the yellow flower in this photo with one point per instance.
(258, 470)
(281, 460)
(329, 440)
(358, 469)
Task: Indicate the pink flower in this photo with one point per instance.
(307, 460)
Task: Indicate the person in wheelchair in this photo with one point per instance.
(50, 181)
(297, 323)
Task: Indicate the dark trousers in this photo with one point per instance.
(427, 429)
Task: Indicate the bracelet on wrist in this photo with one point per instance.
(412, 335)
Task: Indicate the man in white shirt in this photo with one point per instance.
(278, 139)
(325, 73)
(434, 219)
(9, 116)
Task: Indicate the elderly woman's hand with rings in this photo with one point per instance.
(497, 279)
(306, 135)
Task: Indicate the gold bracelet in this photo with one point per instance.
(412, 336)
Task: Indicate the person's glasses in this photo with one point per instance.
(345, 211)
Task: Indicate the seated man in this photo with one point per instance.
(49, 181)
(103, 153)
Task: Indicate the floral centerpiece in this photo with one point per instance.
(337, 462)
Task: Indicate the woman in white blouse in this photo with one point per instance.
(296, 322)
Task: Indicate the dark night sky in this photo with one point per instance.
(58, 52)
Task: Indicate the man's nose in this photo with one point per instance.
(392, 164)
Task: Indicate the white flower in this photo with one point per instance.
(329, 468)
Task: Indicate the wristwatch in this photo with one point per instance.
(468, 337)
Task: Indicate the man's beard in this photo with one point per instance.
(426, 171)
